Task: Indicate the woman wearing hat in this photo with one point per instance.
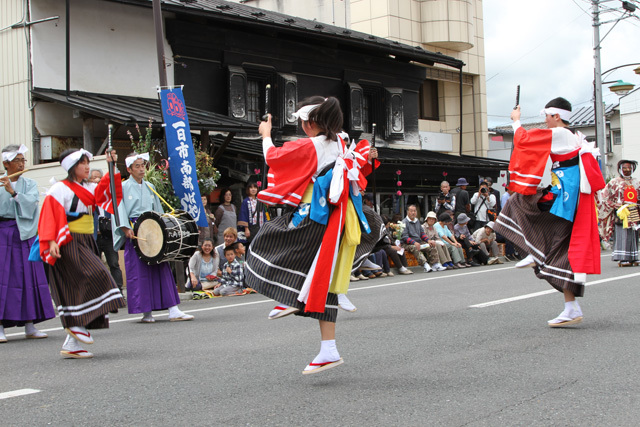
(620, 192)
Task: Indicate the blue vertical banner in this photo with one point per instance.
(182, 156)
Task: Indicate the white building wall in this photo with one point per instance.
(630, 125)
(15, 117)
(112, 48)
(333, 12)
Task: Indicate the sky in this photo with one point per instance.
(546, 47)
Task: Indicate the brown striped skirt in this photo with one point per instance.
(544, 236)
(81, 285)
(279, 261)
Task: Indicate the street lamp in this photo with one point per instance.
(621, 88)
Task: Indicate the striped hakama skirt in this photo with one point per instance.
(24, 291)
(81, 285)
(368, 240)
(625, 244)
(544, 236)
(279, 261)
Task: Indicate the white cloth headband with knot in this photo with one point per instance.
(303, 113)
(73, 158)
(564, 114)
(130, 160)
(8, 156)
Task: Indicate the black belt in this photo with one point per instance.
(71, 218)
(6, 219)
(575, 161)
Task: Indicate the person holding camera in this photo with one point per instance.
(483, 203)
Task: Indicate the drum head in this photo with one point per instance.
(151, 241)
(151, 232)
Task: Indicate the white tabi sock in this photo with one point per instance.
(3, 337)
(175, 312)
(29, 329)
(328, 352)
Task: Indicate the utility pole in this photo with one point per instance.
(157, 23)
(598, 106)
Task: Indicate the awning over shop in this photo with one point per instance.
(129, 110)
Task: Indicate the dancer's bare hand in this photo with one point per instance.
(265, 128)
(54, 249)
(515, 114)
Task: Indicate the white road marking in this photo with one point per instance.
(422, 278)
(16, 393)
(550, 291)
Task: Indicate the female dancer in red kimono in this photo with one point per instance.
(81, 285)
(303, 259)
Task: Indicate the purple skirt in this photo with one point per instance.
(149, 287)
(24, 291)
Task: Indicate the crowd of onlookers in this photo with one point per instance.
(457, 233)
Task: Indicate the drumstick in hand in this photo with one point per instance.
(139, 238)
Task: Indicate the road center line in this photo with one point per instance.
(422, 278)
(549, 291)
(16, 393)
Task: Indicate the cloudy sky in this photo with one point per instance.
(546, 46)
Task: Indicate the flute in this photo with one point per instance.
(16, 174)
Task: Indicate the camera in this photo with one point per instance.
(483, 190)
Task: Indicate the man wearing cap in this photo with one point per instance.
(461, 195)
(475, 256)
(486, 237)
(24, 291)
(557, 227)
(616, 201)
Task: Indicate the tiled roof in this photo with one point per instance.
(130, 110)
(313, 31)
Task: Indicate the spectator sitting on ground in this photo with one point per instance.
(203, 267)
(475, 256)
(453, 246)
(434, 238)
(393, 248)
(240, 250)
(232, 278)
(230, 236)
(487, 239)
(415, 240)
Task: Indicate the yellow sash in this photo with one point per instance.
(348, 244)
(84, 225)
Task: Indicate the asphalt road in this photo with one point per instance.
(457, 348)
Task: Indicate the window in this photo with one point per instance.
(617, 137)
(429, 109)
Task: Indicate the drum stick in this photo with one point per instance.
(17, 174)
(112, 183)
(139, 238)
(373, 166)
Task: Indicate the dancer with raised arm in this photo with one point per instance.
(303, 259)
(556, 226)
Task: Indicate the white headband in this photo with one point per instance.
(303, 113)
(564, 114)
(130, 160)
(73, 158)
(8, 156)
